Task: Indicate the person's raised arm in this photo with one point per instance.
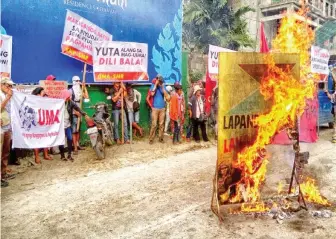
(9, 94)
(153, 90)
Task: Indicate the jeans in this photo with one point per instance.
(157, 115)
(68, 134)
(115, 115)
(176, 137)
(334, 134)
(196, 135)
(5, 150)
(189, 129)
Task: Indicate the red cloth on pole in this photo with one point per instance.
(263, 41)
(209, 86)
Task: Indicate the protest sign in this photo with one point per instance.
(38, 121)
(78, 36)
(319, 60)
(53, 88)
(5, 55)
(213, 60)
(240, 77)
(118, 61)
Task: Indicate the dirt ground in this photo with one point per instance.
(158, 191)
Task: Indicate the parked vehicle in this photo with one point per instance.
(100, 129)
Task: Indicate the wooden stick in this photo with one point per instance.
(122, 116)
(81, 98)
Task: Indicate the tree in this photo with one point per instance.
(213, 22)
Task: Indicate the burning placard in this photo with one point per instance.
(240, 173)
(120, 61)
(54, 88)
(319, 60)
(78, 36)
(5, 55)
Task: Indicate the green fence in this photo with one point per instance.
(96, 94)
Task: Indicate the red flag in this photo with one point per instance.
(209, 85)
(263, 41)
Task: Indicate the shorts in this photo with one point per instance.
(74, 124)
(134, 117)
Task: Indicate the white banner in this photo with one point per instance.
(319, 60)
(37, 122)
(118, 61)
(78, 36)
(213, 58)
(5, 55)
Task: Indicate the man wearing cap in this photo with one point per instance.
(50, 78)
(76, 94)
(6, 130)
(159, 93)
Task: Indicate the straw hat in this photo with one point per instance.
(197, 88)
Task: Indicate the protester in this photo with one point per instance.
(77, 91)
(133, 99)
(167, 121)
(70, 106)
(197, 114)
(6, 131)
(177, 106)
(50, 78)
(149, 102)
(39, 91)
(159, 93)
(214, 107)
(118, 92)
(332, 97)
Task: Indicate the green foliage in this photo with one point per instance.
(195, 76)
(213, 22)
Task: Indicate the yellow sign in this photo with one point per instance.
(240, 102)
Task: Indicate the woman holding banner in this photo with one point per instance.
(39, 91)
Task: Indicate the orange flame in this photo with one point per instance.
(311, 192)
(258, 207)
(288, 96)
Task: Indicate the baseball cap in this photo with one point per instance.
(51, 77)
(159, 77)
(6, 80)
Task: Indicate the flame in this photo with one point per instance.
(258, 207)
(311, 192)
(288, 96)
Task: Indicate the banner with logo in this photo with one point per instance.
(54, 88)
(213, 60)
(319, 60)
(38, 122)
(120, 61)
(78, 36)
(5, 55)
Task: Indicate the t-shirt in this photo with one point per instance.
(158, 98)
(115, 105)
(7, 108)
(132, 96)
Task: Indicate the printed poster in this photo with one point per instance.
(38, 121)
(78, 36)
(240, 76)
(120, 61)
(5, 55)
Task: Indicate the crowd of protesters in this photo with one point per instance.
(167, 106)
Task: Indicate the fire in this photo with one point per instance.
(280, 187)
(288, 96)
(258, 207)
(311, 192)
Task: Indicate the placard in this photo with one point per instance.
(213, 60)
(5, 55)
(319, 60)
(54, 88)
(120, 61)
(78, 36)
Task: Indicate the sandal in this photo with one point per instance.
(4, 183)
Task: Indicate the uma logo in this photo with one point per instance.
(120, 3)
